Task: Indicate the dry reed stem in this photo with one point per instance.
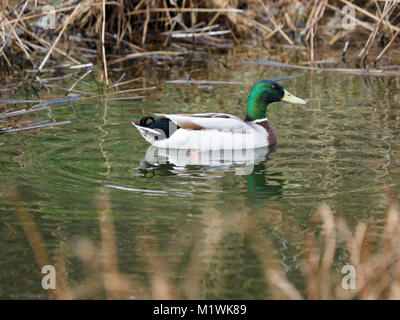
(363, 54)
(118, 84)
(80, 79)
(13, 26)
(146, 54)
(45, 13)
(116, 285)
(146, 22)
(329, 232)
(370, 15)
(21, 44)
(358, 21)
(205, 10)
(161, 286)
(63, 289)
(386, 47)
(102, 42)
(7, 61)
(59, 36)
(29, 226)
(204, 250)
(36, 242)
(49, 45)
(272, 19)
(280, 286)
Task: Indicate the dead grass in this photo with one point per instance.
(121, 30)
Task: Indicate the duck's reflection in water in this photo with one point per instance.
(251, 163)
(262, 186)
(242, 161)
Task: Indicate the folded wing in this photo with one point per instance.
(200, 121)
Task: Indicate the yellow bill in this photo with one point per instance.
(288, 97)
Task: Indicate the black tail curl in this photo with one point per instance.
(163, 124)
(146, 121)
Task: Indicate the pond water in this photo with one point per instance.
(204, 228)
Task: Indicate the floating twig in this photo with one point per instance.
(147, 54)
(53, 124)
(14, 101)
(361, 72)
(57, 102)
(126, 98)
(80, 66)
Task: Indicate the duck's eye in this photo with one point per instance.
(274, 87)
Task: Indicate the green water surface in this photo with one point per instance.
(187, 222)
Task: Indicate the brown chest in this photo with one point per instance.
(271, 134)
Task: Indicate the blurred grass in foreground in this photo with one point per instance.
(373, 250)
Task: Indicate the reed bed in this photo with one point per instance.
(38, 36)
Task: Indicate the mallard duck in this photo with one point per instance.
(216, 131)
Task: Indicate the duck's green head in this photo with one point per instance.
(263, 93)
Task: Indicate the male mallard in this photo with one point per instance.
(214, 131)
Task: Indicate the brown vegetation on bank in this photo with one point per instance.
(35, 36)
